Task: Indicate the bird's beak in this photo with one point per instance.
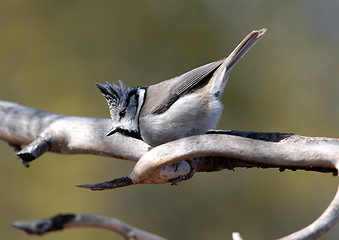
(112, 131)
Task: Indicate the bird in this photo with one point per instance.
(183, 106)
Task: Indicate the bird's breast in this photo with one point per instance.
(192, 114)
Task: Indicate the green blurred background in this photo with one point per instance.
(52, 53)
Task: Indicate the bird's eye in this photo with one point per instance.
(122, 114)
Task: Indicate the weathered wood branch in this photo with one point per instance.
(41, 131)
(315, 154)
(44, 131)
(320, 226)
(286, 154)
(62, 221)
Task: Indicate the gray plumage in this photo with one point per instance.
(179, 107)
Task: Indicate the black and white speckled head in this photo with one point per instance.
(124, 106)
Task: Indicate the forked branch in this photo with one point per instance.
(43, 131)
(172, 162)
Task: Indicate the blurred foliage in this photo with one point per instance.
(52, 53)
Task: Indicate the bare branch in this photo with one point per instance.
(44, 131)
(34, 150)
(168, 163)
(314, 154)
(320, 226)
(62, 221)
(236, 236)
(324, 154)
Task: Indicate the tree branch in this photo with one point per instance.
(315, 154)
(171, 162)
(323, 154)
(236, 236)
(43, 131)
(320, 226)
(62, 221)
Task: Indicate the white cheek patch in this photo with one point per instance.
(141, 99)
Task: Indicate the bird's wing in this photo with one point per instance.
(185, 83)
(188, 81)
